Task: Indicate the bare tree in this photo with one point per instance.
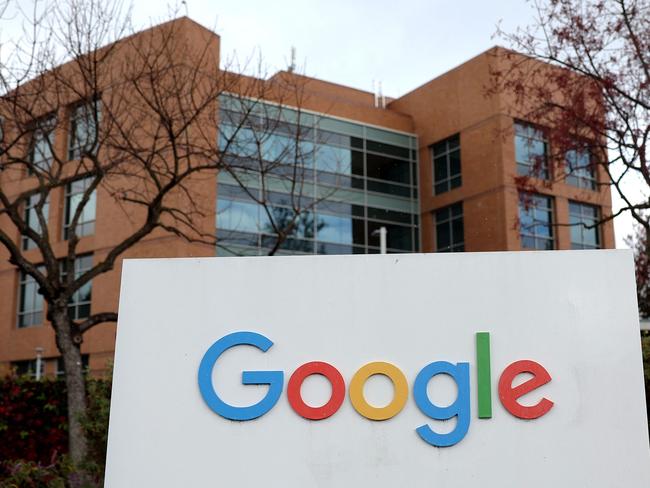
(593, 101)
(88, 109)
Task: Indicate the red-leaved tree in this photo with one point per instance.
(593, 101)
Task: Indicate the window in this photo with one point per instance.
(74, 194)
(446, 164)
(351, 180)
(79, 304)
(83, 130)
(581, 215)
(31, 218)
(531, 151)
(450, 234)
(30, 305)
(42, 144)
(579, 170)
(60, 367)
(535, 221)
(27, 368)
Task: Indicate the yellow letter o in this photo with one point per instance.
(399, 383)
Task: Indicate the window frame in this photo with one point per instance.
(31, 364)
(582, 228)
(74, 303)
(74, 147)
(449, 221)
(577, 180)
(60, 366)
(43, 129)
(550, 209)
(544, 172)
(84, 227)
(35, 313)
(27, 243)
(448, 182)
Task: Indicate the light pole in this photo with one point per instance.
(39, 362)
(383, 235)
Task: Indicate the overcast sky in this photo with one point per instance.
(353, 42)
(403, 44)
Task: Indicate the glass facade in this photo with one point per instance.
(536, 221)
(331, 184)
(583, 219)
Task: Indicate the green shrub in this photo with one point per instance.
(28, 474)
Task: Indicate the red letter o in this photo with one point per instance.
(295, 383)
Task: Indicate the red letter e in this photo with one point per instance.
(509, 394)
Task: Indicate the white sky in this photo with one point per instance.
(402, 44)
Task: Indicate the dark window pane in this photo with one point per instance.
(443, 236)
(447, 166)
(450, 234)
(381, 187)
(389, 149)
(440, 168)
(385, 168)
(457, 230)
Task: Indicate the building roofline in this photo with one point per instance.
(455, 68)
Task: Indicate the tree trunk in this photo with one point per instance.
(69, 344)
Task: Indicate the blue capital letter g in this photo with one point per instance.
(275, 379)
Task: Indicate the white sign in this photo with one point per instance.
(457, 370)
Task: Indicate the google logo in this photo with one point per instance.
(459, 372)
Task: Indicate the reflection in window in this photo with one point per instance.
(535, 221)
(531, 151)
(335, 229)
(579, 170)
(74, 194)
(31, 218)
(239, 216)
(450, 232)
(583, 219)
(79, 304)
(446, 164)
(30, 307)
(301, 226)
(83, 130)
(339, 160)
(359, 179)
(41, 152)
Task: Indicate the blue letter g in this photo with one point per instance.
(275, 379)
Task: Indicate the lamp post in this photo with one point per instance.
(39, 362)
(383, 235)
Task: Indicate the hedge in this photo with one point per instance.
(33, 429)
